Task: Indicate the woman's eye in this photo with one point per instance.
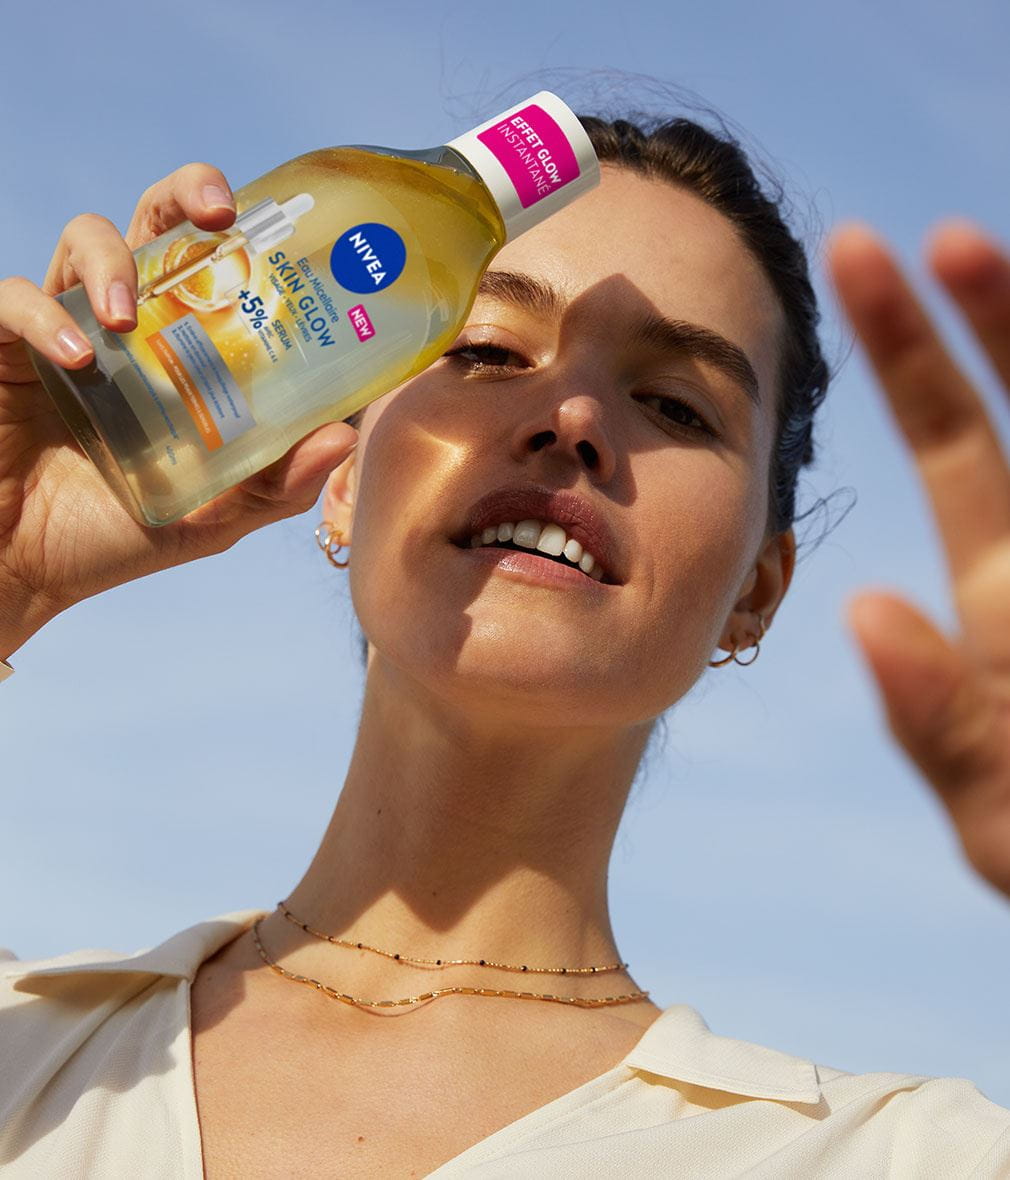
(678, 412)
(495, 358)
(484, 356)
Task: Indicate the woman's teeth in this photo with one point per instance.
(547, 538)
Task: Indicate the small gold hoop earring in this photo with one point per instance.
(719, 663)
(325, 543)
(732, 654)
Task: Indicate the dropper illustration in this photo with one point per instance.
(256, 230)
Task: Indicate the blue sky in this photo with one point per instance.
(781, 867)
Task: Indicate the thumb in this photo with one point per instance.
(291, 484)
(935, 704)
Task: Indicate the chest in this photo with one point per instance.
(373, 1101)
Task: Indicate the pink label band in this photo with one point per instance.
(534, 151)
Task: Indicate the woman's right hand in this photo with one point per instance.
(63, 534)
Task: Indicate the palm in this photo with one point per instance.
(947, 698)
(56, 512)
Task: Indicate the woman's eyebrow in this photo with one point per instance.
(677, 336)
(510, 286)
(693, 340)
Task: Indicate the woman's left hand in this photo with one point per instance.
(947, 698)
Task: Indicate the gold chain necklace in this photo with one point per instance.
(580, 1001)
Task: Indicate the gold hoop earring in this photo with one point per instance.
(326, 542)
(732, 654)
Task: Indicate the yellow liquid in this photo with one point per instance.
(173, 425)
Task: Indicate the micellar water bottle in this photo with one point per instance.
(347, 271)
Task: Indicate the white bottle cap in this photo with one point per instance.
(534, 158)
(268, 223)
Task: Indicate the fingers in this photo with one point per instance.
(944, 420)
(92, 251)
(288, 486)
(943, 714)
(976, 273)
(29, 314)
(195, 192)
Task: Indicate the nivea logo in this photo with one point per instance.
(368, 257)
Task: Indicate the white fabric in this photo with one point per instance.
(96, 1081)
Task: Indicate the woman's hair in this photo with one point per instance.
(715, 168)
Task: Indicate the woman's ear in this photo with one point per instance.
(338, 497)
(764, 589)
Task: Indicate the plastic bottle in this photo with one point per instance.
(347, 271)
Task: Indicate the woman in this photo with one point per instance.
(642, 373)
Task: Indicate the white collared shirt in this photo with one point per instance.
(96, 1081)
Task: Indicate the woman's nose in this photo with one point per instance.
(569, 428)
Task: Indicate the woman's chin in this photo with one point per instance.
(536, 682)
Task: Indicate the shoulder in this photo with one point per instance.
(936, 1126)
(863, 1123)
(50, 1008)
(946, 1105)
(908, 1125)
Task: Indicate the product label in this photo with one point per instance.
(534, 151)
(206, 387)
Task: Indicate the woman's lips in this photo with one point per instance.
(574, 513)
(532, 568)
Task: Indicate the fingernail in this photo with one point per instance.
(72, 344)
(121, 302)
(216, 197)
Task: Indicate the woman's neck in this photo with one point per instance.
(459, 836)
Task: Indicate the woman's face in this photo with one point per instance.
(571, 398)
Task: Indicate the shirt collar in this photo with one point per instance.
(180, 955)
(677, 1045)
